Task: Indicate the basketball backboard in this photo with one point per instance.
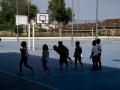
(42, 18)
(21, 20)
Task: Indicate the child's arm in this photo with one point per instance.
(20, 49)
(27, 53)
(91, 55)
(74, 53)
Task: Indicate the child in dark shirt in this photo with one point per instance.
(24, 57)
(45, 57)
(78, 54)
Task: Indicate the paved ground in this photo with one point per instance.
(82, 79)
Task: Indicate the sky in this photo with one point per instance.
(108, 9)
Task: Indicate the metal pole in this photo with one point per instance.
(28, 10)
(60, 33)
(17, 19)
(29, 36)
(96, 19)
(92, 34)
(28, 24)
(72, 21)
(78, 16)
(33, 32)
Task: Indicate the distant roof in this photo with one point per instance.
(111, 22)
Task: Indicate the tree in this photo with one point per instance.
(58, 11)
(33, 12)
(9, 10)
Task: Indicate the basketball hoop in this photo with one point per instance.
(42, 18)
(43, 21)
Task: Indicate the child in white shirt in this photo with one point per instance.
(99, 53)
(94, 55)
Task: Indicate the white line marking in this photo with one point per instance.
(32, 81)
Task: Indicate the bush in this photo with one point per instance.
(20, 29)
(42, 30)
(5, 27)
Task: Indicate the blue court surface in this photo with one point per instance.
(68, 79)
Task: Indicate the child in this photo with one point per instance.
(94, 54)
(67, 52)
(24, 57)
(78, 54)
(99, 54)
(62, 50)
(45, 57)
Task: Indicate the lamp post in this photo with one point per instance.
(29, 1)
(96, 19)
(33, 34)
(78, 16)
(29, 24)
(17, 18)
(72, 21)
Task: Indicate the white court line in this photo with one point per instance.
(32, 81)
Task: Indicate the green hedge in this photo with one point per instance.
(5, 27)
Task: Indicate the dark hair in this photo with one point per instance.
(94, 42)
(60, 42)
(23, 44)
(45, 47)
(98, 41)
(77, 43)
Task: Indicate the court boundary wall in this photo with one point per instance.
(57, 38)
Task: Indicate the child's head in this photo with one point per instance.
(94, 42)
(45, 47)
(98, 41)
(23, 44)
(77, 43)
(60, 43)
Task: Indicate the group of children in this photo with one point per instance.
(63, 51)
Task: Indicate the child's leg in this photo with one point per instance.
(99, 60)
(93, 67)
(61, 64)
(75, 63)
(26, 65)
(69, 58)
(45, 67)
(20, 65)
(66, 62)
(96, 62)
(80, 62)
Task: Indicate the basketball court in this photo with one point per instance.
(81, 79)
